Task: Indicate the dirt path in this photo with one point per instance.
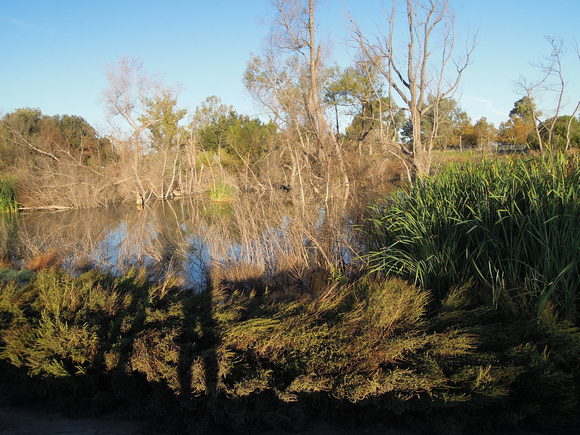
(40, 420)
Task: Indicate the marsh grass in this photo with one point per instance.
(513, 225)
(8, 200)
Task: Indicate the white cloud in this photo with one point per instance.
(484, 103)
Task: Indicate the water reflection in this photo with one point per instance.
(164, 237)
(268, 239)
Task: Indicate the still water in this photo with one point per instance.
(266, 237)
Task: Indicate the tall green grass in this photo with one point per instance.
(8, 202)
(512, 225)
(222, 192)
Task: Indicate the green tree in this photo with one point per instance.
(519, 128)
(81, 139)
(485, 132)
(444, 125)
(525, 109)
(18, 132)
(243, 140)
(360, 90)
(26, 133)
(165, 138)
(565, 133)
(209, 123)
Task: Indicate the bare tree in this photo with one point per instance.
(145, 105)
(53, 158)
(288, 81)
(424, 73)
(551, 82)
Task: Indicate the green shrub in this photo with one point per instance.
(357, 353)
(8, 202)
(511, 225)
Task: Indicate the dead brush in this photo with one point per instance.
(48, 260)
(237, 277)
(276, 246)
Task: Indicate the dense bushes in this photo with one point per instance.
(511, 225)
(359, 353)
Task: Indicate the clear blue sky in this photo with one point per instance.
(54, 52)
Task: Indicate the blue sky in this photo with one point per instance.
(54, 53)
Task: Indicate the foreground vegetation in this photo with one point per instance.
(484, 339)
(361, 353)
(510, 225)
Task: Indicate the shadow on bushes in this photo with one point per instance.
(356, 353)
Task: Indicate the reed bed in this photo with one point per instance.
(275, 244)
(511, 225)
(8, 201)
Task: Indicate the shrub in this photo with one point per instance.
(358, 353)
(46, 261)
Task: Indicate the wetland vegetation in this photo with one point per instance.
(210, 268)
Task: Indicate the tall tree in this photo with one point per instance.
(485, 132)
(520, 127)
(165, 137)
(360, 90)
(551, 83)
(143, 103)
(430, 65)
(288, 81)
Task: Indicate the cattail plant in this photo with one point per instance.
(8, 202)
(511, 224)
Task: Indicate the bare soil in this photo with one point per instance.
(41, 420)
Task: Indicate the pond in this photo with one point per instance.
(163, 236)
(180, 238)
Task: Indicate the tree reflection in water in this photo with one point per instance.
(163, 238)
(186, 242)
